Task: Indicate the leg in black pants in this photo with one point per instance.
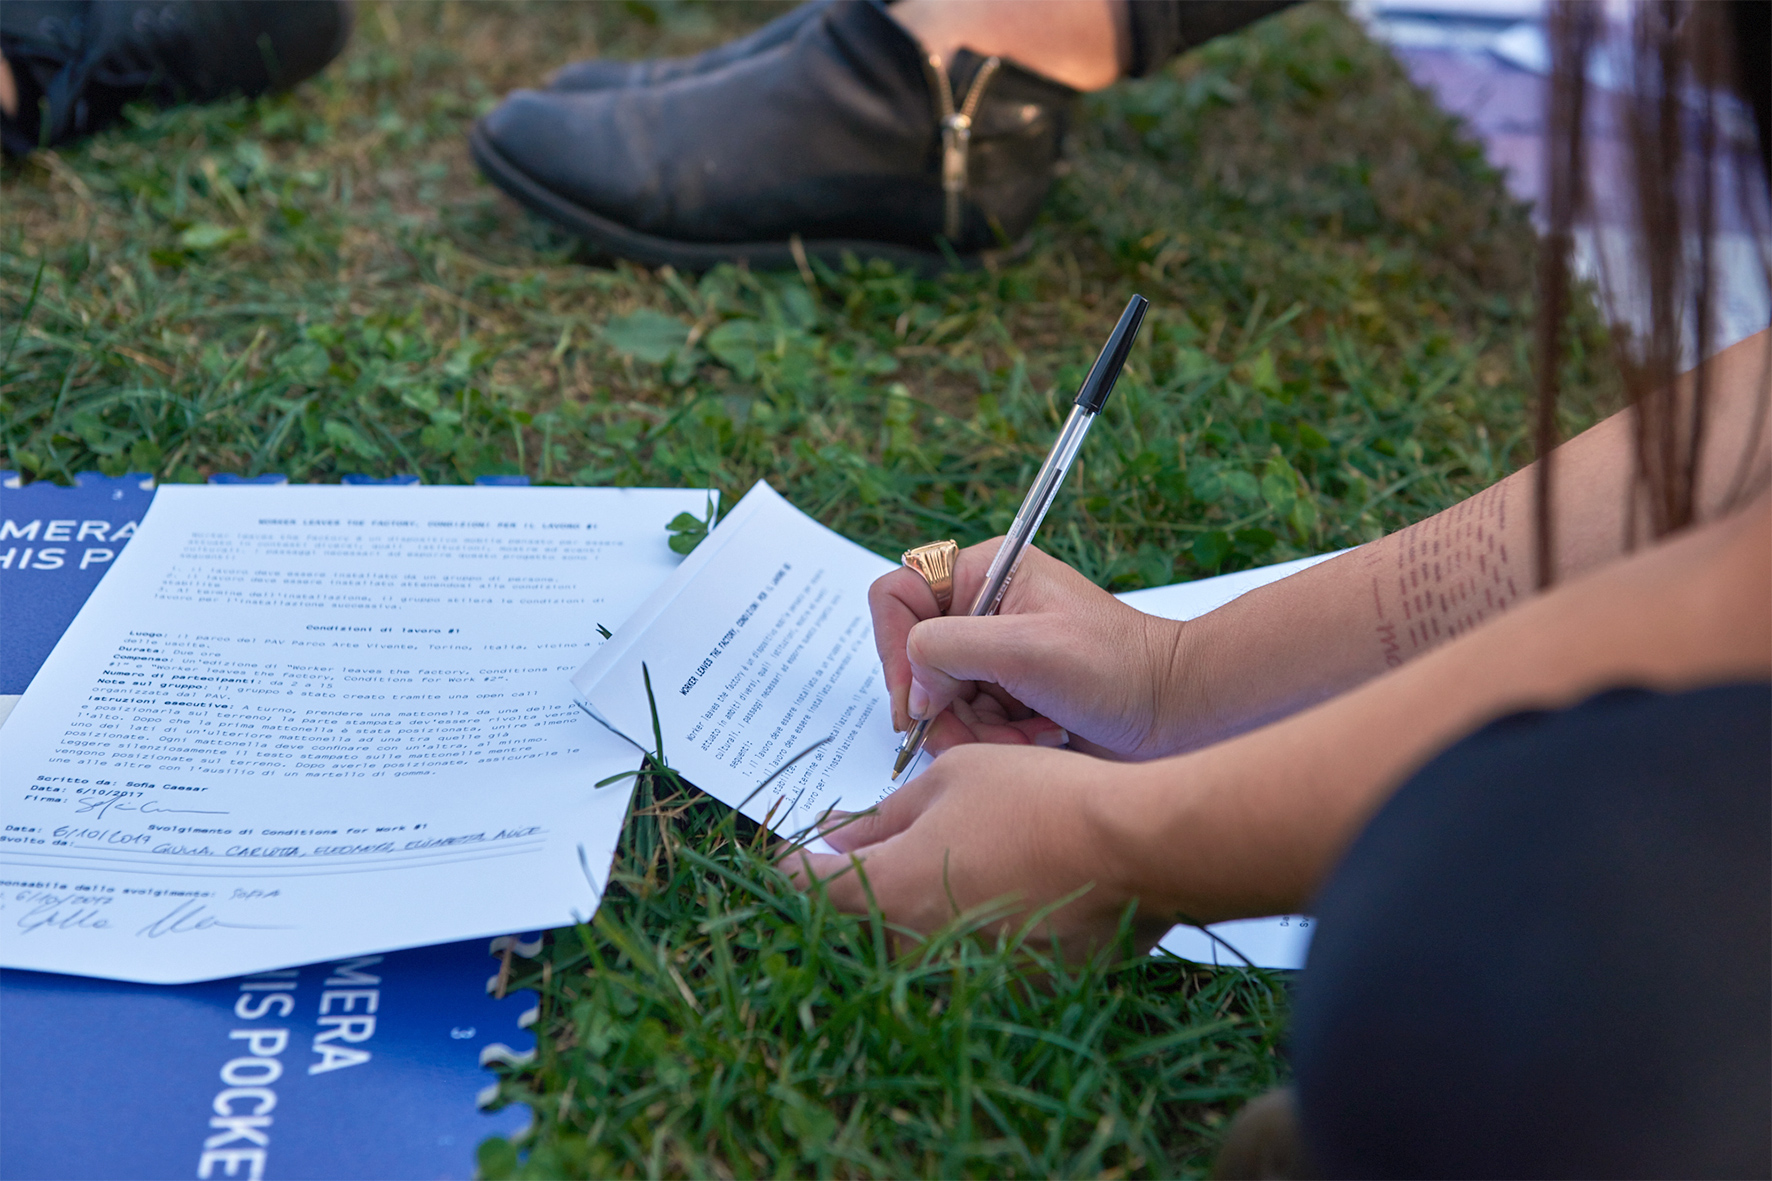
(1550, 954)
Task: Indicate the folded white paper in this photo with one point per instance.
(761, 644)
(759, 647)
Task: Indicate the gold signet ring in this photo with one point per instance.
(935, 562)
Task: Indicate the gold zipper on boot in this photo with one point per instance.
(956, 136)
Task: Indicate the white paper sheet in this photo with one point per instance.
(1282, 941)
(758, 646)
(1190, 600)
(303, 723)
(761, 643)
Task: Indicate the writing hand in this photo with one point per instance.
(1062, 655)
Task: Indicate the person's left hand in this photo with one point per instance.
(1017, 826)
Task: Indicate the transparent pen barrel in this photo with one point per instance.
(1033, 511)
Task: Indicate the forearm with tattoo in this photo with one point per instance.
(1442, 577)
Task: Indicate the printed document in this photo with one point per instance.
(759, 646)
(303, 723)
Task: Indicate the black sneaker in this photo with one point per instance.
(77, 64)
(843, 138)
(604, 74)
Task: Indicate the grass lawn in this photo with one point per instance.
(320, 284)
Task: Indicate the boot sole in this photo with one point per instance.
(624, 242)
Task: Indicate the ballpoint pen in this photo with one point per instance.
(1090, 399)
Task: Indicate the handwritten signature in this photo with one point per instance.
(193, 916)
(102, 806)
(65, 912)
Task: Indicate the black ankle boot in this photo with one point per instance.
(78, 64)
(603, 74)
(842, 136)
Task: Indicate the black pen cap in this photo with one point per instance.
(1106, 370)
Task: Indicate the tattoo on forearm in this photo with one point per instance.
(1439, 579)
